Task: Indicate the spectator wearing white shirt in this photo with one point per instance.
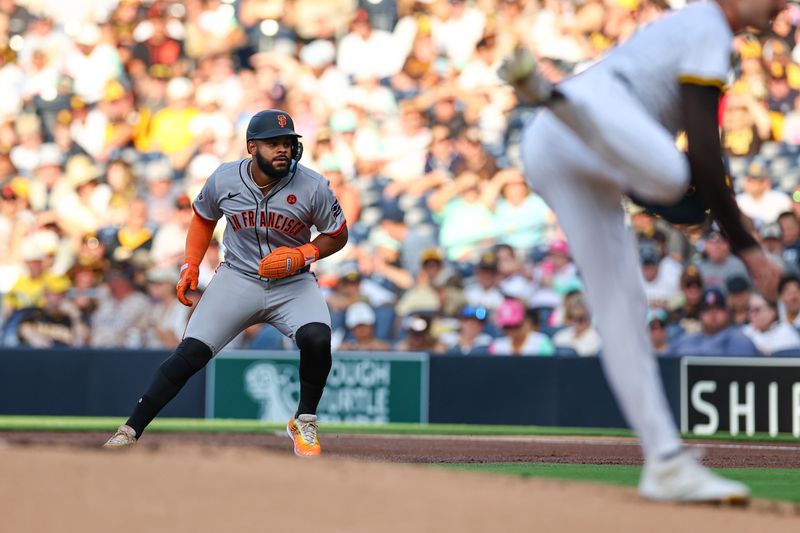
(579, 334)
(767, 332)
(93, 64)
(759, 200)
(367, 50)
(660, 289)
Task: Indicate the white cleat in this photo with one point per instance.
(123, 438)
(683, 479)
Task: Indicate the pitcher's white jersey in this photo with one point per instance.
(257, 224)
(693, 44)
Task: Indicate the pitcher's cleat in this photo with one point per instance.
(521, 72)
(303, 432)
(123, 438)
(683, 479)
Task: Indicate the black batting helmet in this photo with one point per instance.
(271, 123)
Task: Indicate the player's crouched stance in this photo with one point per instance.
(270, 203)
(611, 131)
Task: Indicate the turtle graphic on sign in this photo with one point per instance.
(275, 387)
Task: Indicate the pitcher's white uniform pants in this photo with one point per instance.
(585, 192)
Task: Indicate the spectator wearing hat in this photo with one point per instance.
(659, 289)
(789, 300)
(84, 208)
(579, 334)
(772, 242)
(739, 291)
(718, 264)
(555, 276)
(520, 329)
(169, 241)
(28, 289)
(718, 336)
(123, 184)
(766, 330)
(165, 323)
(122, 313)
(48, 184)
(344, 293)
(418, 336)
(484, 289)
(657, 328)
(360, 321)
(431, 293)
(161, 193)
(759, 200)
(93, 64)
(25, 153)
(57, 324)
(471, 337)
(118, 123)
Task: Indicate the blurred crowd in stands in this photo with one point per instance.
(114, 112)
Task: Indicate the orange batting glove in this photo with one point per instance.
(189, 276)
(285, 261)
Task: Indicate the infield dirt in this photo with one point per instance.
(181, 487)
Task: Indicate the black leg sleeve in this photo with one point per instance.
(188, 358)
(314, 341)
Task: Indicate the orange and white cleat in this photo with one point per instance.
(303, 432)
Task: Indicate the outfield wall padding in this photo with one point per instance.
(547, 391)
(87, 383)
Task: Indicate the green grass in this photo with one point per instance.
(181, 425)
(767, 483)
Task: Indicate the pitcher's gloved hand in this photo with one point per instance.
(189, 276)
(285, 261)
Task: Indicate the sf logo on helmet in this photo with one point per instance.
(282, 121)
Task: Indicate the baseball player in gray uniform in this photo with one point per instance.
(270, 203)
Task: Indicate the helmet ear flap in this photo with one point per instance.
(297, 150)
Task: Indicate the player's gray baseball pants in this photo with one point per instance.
(233, 301)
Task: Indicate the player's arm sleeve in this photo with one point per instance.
(198, 238)
(326, 213)
(700, 104)
(206, 213)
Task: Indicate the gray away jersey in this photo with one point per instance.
(258, 224)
